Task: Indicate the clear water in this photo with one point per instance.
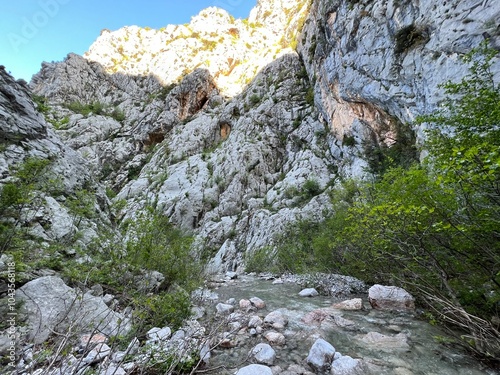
(425, 356)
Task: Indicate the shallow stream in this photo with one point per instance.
(422, 355)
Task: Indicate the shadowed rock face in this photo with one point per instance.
(20, 120)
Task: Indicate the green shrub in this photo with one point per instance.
(309, 97)
(156, 244)
(96, 108)
(118, 114)
(349, 141)
(255, 99)
(164, 309)
(41, 103)
(311, 188)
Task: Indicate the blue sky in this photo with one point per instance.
(33, 31)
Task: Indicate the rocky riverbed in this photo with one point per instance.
(249, 324)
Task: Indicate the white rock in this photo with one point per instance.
(264, 354)
(390, 298)
(320, 355)
(257, 302)
(224, 309)
(276, 319)
(255, 370)
(47, 299)
(308, 292)
(346, 365)
(255, 321)
(351, 304)
(159, 334)
(275, 338)
(97, 354)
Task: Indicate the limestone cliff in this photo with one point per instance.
(231, 128)
(232, 133)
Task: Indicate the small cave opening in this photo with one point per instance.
(224, 129)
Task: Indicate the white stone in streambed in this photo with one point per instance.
(308, 292)
(255, 370)
(320, 355)
(346, 365)
(224, 308)
(263, 353)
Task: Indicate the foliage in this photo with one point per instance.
(96, 108)
(309, 97)
(255, 99)
(29, 178)
(41, 103)
(155, 244)
(163, 309)
(402, 152)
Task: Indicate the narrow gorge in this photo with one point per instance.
(151, 187)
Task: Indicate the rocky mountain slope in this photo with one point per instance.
(231, 128)
(235, 156)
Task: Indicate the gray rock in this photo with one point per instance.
(51, 305)
(257, 302)
(275, 338)
(255, 370)
(159, 334)
(308, 292)
(263, 353)
(113, 370)
(224, 309)
(97, 354)
(346, 365)
(390, 298)
(320, 356)
(276, 319)
(255, 321)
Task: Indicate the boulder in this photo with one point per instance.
(245, 304)
(320, 356)
(257, 302)
(308, 292)
(346, 365)
(51, 305)
(276, 320)
(224, 308)
(254, 322)
(255, 370)
(275, 338)
(390, 298)
(263, 353)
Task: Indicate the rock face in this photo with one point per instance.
(237, 170)
(51, 306)
(231, 50)
(378, 64)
